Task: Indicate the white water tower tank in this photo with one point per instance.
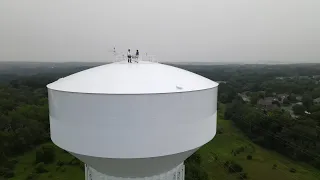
(133, 121)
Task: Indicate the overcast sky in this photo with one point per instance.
(173, 30)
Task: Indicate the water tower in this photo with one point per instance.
(133, 121)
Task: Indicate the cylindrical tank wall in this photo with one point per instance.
(132, 126)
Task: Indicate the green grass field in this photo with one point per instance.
(26, 166)
(259, 168)
(261, 165)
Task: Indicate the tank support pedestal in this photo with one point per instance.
(176, 173)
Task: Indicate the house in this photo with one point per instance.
(268, 103)
(299, 98)
(316, 77)
(244, 97)
(316, 101)
(306, 112)
(282, 97)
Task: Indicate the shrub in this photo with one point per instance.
(45, 154)
(249, 157)
(3, 170)
(8, 174)
(274, 166)
(74, 162)
(293, 170)
(298, 109)
(233, 167)
(243, 176)
(10, 164)
(216, 158)
(32, 176)
(226, 164)
(60, 163)
(40, 168)
(220, 130)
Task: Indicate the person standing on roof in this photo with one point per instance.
(129, 56)
(137, 54)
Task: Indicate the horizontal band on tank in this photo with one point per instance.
(132, 141)
(100, 110)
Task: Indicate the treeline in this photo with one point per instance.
(194, 170)
(23, 123)
(298, 138)
(24, 118)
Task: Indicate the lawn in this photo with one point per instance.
(260, 167)
(26, 166)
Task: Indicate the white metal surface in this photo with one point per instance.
(149, 125)
(140, 131)
(132, 78)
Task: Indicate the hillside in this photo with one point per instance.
(259, 168)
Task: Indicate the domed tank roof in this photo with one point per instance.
(132, 78)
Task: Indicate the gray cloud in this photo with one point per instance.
(173, 30)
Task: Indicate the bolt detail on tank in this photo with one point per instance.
(133, 120)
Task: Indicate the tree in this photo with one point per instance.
(195, 172)
(254, 99)
(293, 170)
(298, 109)
(233, 167)
(262, 95)
(316, 116)
(292, 98)
(6, 173)
(40, 168)
(226, 93)
(274, 166)
(315, 108)
(45, 154)
(307, 101)
(286, 101)
(194, 159)
(315, 93)
(276, 103)
(193, 168)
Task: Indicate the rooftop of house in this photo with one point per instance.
(317, 100)
(282, 95)
(267, 101)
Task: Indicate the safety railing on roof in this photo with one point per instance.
(122, 57)
(151, 58)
